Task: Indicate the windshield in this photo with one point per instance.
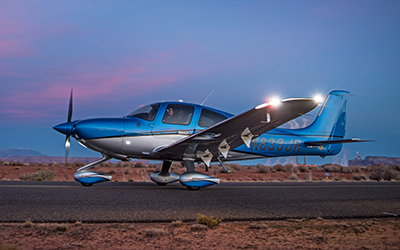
(147, 113)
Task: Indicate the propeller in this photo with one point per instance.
(68, 140)
(66, 128)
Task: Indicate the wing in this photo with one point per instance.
(236, 130)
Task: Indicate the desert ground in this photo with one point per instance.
(371, 233)
(288, 234)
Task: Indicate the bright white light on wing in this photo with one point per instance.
(318, 98)
(275, 102)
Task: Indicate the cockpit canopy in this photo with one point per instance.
(147, 113)
(180, 114)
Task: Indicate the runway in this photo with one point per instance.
(147, 202)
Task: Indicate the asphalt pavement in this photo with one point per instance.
(146, 202)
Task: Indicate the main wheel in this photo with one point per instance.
(87, 184)
(193, 188)
(161, 184)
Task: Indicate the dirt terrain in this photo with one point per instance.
(380, 233)
(289, 234)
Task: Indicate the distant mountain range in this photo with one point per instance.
(371, 160)
(20, 152)
(24, 155)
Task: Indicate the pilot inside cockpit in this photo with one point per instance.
(170, 117)
(178, 114)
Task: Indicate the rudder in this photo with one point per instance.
(331, 119)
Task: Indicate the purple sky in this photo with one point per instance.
(118, 55)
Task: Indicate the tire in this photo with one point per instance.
(87, 184)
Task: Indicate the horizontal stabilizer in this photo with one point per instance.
(318, 143)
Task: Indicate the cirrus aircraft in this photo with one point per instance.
(192, 133)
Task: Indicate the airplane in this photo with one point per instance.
(192, 133)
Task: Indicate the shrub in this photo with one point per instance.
(395, 167)
(375, 167)
(111, 172)
(138, 164)
(234, 167)
(352, 169)
(156, 232)
(78, 223)
(302, 168)
(177, 223)
(307, 177)
(376, 176)
(199, 227)
(293, 177)
(177, 164)
(44, 175)
(386, 174)
(5, 247)
(78, 164)
(332, 168)
(209, 221)
(106, 164)
(360, 177)
(62, 227)
(216, 170)
(263, 169)
(292, 169)
(175, 170)
(390, 174)
(28, 224)
(279, 168)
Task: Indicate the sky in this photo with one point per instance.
(119, 55)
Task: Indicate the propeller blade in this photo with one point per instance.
(70, 107)
(67, 145)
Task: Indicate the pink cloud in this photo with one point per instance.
(50, 99)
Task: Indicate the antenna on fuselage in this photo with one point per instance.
(207, 97)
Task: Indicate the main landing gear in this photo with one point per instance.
(191, 180)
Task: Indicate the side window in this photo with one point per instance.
(178, 114)
(209, 118)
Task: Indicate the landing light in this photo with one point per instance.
(275, 102)
(318, 98)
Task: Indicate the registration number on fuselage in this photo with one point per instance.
(262, 144)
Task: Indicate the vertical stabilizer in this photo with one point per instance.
(331, 119)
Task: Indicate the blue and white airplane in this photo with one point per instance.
(190, 133)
